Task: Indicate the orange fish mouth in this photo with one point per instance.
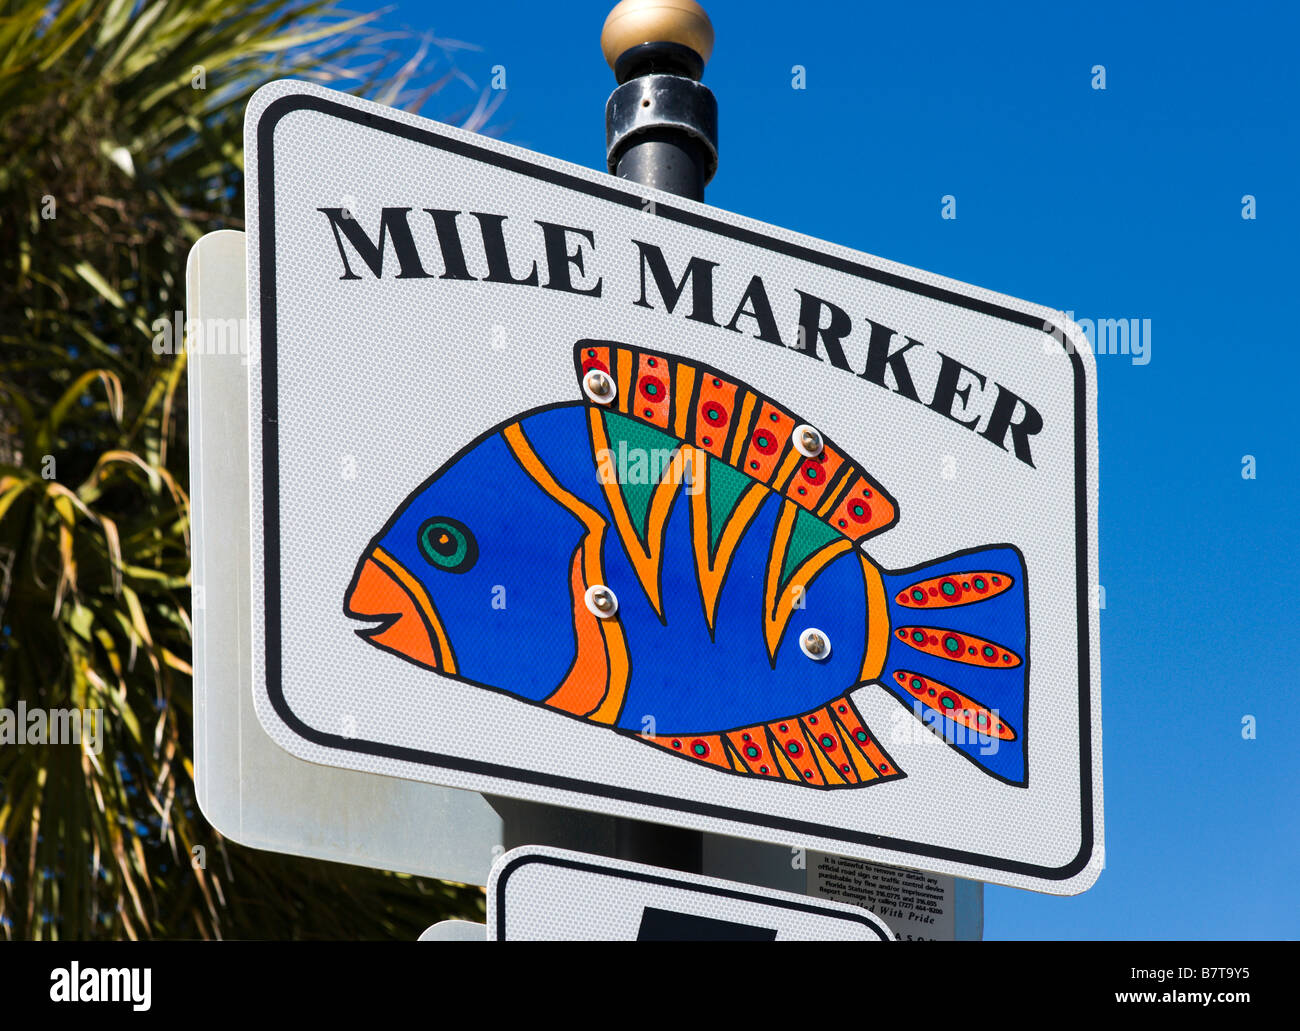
(383, 591)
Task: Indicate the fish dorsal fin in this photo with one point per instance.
(644, 456)
(809, 535)
(725, 487)
(639, 468)
(717, 414)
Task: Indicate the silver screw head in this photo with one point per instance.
(598, 386)
(601, 601)
(807, 441)
(815, 644)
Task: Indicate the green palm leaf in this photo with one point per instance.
(120, 137)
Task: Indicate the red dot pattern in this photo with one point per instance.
(964, 710)
(967, 648)
(967, 588)
(653, 392)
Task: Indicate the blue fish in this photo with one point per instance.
(676, 558)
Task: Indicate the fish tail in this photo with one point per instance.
(829, 747)
(958, 653)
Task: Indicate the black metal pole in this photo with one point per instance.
(661, 130)
(661, 123)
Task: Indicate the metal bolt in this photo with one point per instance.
(807, 441)
(601, 601)
(815, 644)
(599, 387)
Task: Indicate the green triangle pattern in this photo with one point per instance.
(639, 438)
(725, 487)
(809, 534)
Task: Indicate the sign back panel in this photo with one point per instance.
(250, 790)
(574, 491)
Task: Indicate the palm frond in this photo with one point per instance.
(120, 144)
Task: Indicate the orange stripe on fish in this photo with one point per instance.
(683, 391)
(833, 745)
(967, 648)
(740, 436)
(835, 492)
(786, 470)
(767, 443)
(711, 567)
(646, 557)
(623, 361)
(946, 592)
(653, 398)
(781, 598)
(514, 438)
(863, 509)
(869, 759)
(618, 669)
(810, 483)
(797, 751)
(753, 752)
(582, 691)
(958, 707)
(715, 415)
(421, 597)
(873, 661)
(864, 770)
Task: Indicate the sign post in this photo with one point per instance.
(661, 130)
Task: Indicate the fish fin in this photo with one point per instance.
(723, 504)
(710, 749)
(801, 548)
(829, 747)
(958, 654)
(736, 425)
(640, 505)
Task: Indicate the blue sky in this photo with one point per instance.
(1122, 203)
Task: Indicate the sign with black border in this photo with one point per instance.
(545, 894)
(989, 444)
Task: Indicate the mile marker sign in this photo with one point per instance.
(573, 491)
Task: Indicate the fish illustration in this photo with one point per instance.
(677, 558)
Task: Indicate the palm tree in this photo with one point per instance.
(120, 144)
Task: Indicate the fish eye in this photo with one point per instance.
(448, 544)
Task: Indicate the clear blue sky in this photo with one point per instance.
(1123, 203)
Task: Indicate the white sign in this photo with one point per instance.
(454, 931)
(574, 491)
(547, 894)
